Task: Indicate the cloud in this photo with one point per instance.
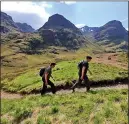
(26, 7)
(80, 25)
(36, 9)
(68, 2)
(123, 20)
(127, 29)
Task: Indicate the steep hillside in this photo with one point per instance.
(57, 21)
(8, 25)
(113, 36)
(59, 31)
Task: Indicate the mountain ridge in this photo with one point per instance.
(111, 35)
(8, 25)
(113, 25)
(24, 27)
(59, 31)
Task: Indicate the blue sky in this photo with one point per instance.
(92, 14)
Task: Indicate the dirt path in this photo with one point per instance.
(94, 89)
(111, 59)
(5, 95)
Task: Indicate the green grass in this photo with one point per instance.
(68, 70)
(63, 72)
(123, 57)
(95, 107)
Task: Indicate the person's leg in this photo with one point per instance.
(52, 86)
(87, 83)
(44, 87)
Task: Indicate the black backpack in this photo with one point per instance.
(41, 72)
(80, 64)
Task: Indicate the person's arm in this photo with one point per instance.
(83, 70)
(46, 78)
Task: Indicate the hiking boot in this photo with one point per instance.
(73, 90)
(88, 89)
(54, 92)
(42, 94)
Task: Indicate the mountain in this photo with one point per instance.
(111, 35)
(87, 29)
(25, 27)
(8, 25)
(112, 30)
(57, 22)
(57, 31)
(61, 32)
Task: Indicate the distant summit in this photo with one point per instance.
(24, 27)
(57, 22)
(111, 35)
(61, 32)
(8, 25)
(111, 30)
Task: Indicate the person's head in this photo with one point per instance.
(88, 58)
(53, 65)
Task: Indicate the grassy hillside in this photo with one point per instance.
(123, 57)
(116, 45)
(95, 107)
(23, 51)
(65, 71)
(24, 54)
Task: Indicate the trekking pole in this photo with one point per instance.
(90, 72)
(52, 78)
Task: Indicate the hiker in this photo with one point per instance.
(46, 79)
(83, 67)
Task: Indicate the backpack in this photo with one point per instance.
(80, 64)
(41, 72)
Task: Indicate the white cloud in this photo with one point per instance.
(68, 2)
(80, 25)
(127, 29)
(123, 20)
(33, 13)
(27, 7)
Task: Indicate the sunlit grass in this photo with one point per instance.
(64, 71)
(95, 107)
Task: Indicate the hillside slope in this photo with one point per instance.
(8, 25)
(113, 36)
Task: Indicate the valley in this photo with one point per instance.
(24, 51)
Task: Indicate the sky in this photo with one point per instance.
(92, 14)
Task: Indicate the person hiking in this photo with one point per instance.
(46, 79)
(83, 68)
